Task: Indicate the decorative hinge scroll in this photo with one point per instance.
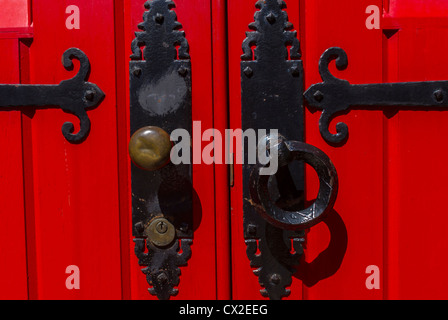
(335, 95)
(73, 96)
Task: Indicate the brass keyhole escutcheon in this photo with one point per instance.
(150, 148)
(160, 232)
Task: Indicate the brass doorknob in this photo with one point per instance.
(150, 148)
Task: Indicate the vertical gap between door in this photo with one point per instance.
(302, 35)
(221, 171)
(391, 155)
(385, 174)
(122, 135)
(28, 174)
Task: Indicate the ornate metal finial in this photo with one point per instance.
(162, 266)
(275, 263)
(160, 27)
(271, 33)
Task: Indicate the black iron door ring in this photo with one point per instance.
(260, 186)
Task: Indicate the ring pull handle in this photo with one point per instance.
(289, 151)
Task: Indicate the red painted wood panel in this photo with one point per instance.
(77, 218)
(78, 194)
(15, 13)
(69, 204)
(339, 250)
(121, 15)
(221, 123)
(13, 263)
(416, 219)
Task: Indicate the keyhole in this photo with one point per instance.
(162, 227)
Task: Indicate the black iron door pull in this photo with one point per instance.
(272, 98)
(335, 95)
(74, 95)
(162, 193)
(261, 188)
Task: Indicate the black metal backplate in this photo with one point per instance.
(160, 94)
(161, 97)
(272, 98)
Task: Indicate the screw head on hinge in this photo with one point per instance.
(137, 72)
(271, 18)
(90, 95)
(183, 71)
(318, 96)
(275, 279)
(252, 230)
(159, 18)
(438, 95)
(295, 71)
(183, 227)
(248, 72)
(162, 278)
(139, 227)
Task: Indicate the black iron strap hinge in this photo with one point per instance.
(335, 95)
(73, 96)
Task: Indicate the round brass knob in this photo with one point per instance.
(150, 148)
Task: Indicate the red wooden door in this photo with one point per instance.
(389, 215)
(65, 205)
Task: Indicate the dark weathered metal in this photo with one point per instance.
(261, 187)
(161, 96)
(335, 95)
(272, 98)
(73, 96)
(162, 271)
